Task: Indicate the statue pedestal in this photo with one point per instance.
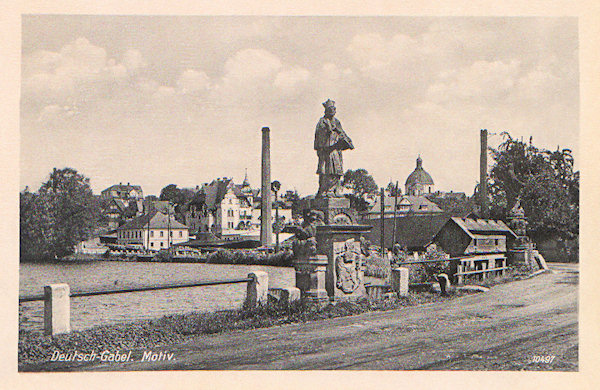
(336, 210)
(344, 278)
(310, 276)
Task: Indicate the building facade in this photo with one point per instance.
(227, 209)
(125, 202)
(153, 231)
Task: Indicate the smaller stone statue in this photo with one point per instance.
(518, 223)
(306, 243)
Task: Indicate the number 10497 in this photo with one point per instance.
(542, 358)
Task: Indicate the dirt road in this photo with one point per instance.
(506, 328)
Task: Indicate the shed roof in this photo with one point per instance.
(482, 226)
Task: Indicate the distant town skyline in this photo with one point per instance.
(158, 100)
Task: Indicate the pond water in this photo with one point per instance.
(91, 311)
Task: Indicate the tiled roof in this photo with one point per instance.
(123, 188)
(412, 231)
(157, 219)
(482, 226)
(418, 204)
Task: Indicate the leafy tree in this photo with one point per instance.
(179, 197)
(360, 183)
(392, 190)
(545, 183)
(62, 213)
(170, 193)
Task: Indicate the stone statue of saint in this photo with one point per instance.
(330, 140)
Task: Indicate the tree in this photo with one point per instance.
(170, 193)
(545, 183)
(62, 213)
(360, 183)
(178, 197)
(392, 190)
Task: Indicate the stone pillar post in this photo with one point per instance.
(257, 289)
(57, 309)
(399, 281)
(444, 281)
(266, 230)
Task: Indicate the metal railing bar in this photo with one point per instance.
(141, 288)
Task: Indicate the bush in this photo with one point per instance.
(377, 267)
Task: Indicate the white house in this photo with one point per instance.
(228, 209)
(153, 231)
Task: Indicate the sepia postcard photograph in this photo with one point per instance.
(252, 192)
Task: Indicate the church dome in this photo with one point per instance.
(419, 175)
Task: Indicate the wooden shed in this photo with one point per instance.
(482, 243)
(464, 236)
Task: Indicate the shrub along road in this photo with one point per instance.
(529, 324)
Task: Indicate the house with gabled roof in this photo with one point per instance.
(153, 231)
(227, 209)
(467, 236)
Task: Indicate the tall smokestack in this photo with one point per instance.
(483, 190)
(266, 230)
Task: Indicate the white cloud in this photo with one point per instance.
(133, 61)
(400, 59)
(251, 65)
(480, 80)
(538, 84)
(78, 72)
(193, 81)
(54, 112)
(291, 78)
(164, 92)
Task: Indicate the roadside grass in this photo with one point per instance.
(35, 347)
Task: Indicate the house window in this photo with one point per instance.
(230, 225)
(180, 233)
(496, 241)
(161, 234)
(152, 244)
(161, 244)
(151, 233)
(171, 234)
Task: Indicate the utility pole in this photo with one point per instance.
(395, 209)
(266, 229)
(382, 218)
(169, 226)
(275, 186)
(483, 190)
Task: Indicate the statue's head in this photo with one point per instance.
(329, 107)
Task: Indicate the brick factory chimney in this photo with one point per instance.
(266, 230)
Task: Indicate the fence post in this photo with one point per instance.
(400, 281)
(257, 288)
(57, 309)
(444, 283)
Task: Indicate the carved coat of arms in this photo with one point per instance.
(348, 264)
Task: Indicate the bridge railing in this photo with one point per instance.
(57, 305)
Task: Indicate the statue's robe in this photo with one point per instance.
(330, 140)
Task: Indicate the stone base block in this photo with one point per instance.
(399, 281)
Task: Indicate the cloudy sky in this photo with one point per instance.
(160, 100)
